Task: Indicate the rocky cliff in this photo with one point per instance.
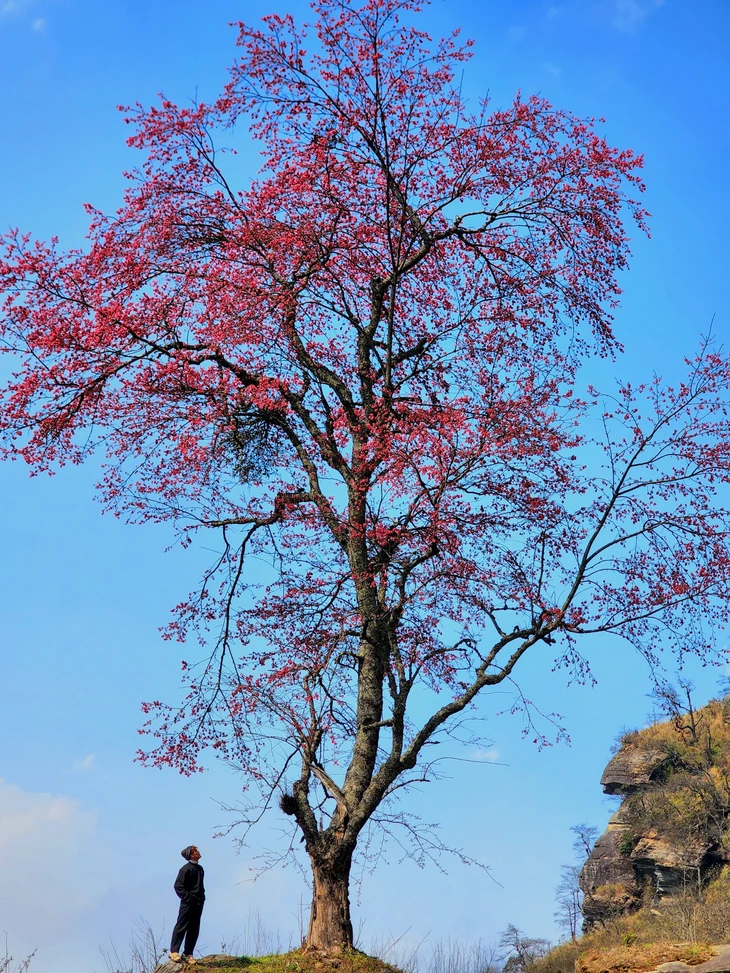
(672, 829)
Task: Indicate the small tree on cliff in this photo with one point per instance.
(361, 367)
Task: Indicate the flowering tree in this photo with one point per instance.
(359, 369)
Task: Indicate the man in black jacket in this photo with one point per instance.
(191, 892)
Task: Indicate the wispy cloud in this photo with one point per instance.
(59, 866)
(10, 8)
(553, 69)
(486, 756)
(630, 14)
(85, 763)
(517, 32)
(21, 10)
(37, 829)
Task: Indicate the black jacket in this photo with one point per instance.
(189, 883)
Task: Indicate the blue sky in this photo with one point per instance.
(89, 840)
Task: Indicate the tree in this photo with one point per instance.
(568, 893)
(569, 900)
(522, 951)
(585, 839)
(361, 369)
(22, 966)
(672, 704)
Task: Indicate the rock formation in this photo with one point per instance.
(672, 830)
(632, 767)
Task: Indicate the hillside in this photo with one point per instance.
(671, 834)
(657, 883)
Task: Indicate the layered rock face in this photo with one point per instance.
(632, 768)
(649, 849)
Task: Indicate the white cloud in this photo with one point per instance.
(553, 69)
(17, 8)
(51, 865)
(10, 7)
(488, 756)
(630, 14)
(86, 763)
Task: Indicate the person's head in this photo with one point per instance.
(190, 853)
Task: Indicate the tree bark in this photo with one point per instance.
(330, 925)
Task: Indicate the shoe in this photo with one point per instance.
(189, 959)
(176, 957)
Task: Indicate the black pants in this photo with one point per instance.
(187, 925)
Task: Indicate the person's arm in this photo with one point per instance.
(180, 885)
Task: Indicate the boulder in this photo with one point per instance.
(631, 768)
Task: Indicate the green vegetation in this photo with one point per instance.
(297, 961)
(627, 843)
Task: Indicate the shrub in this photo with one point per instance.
(627, 844)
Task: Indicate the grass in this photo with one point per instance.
(641, 957)
(710, 745)
(297, 961)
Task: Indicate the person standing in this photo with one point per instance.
(191, 892)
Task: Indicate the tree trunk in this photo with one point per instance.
(330, 926)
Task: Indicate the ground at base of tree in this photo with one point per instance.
(298, 961)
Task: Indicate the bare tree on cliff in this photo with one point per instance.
(522, 951)
(361, 368)
(568, 893)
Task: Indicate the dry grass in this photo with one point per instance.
(560, 959)
(683, 927)
(641, 958)
(712, 731)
